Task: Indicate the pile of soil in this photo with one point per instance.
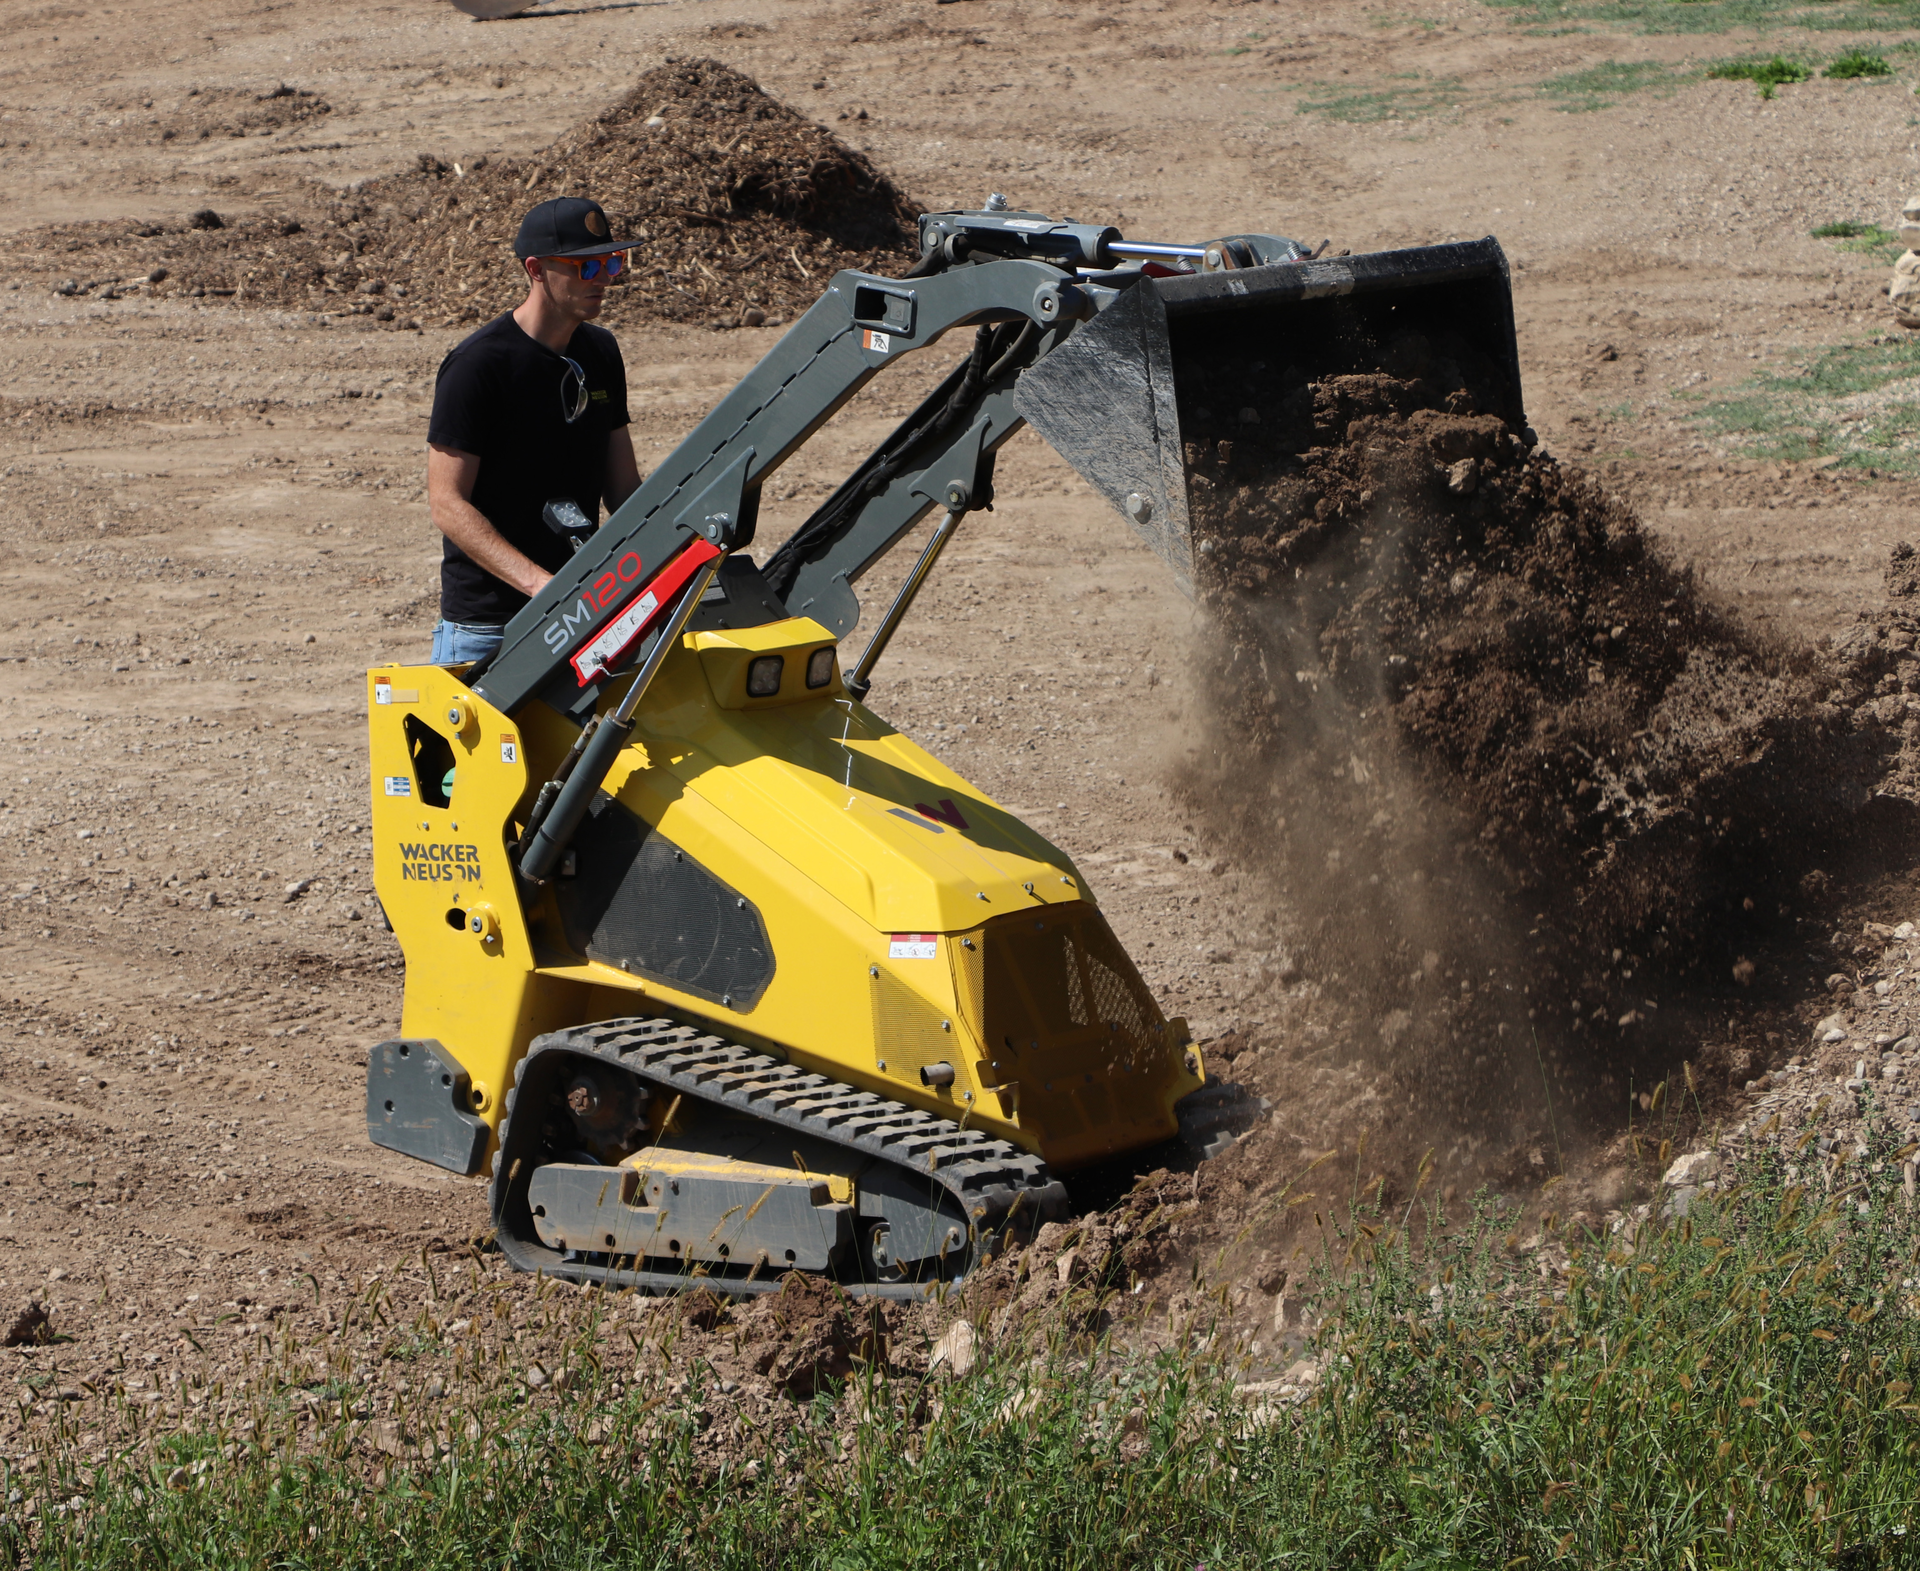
(1543, 808)
(742, 206)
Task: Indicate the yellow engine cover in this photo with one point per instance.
(781, 866)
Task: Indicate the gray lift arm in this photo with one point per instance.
(1073, 337)
(709, 487)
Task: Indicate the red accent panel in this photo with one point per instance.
(601, 653)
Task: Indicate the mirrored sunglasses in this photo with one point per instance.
(591, 267)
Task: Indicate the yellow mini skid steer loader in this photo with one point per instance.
(723, 975)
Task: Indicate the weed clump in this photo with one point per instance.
(1764, 74)
(1857, 63)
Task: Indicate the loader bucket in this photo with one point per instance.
(1172, 361)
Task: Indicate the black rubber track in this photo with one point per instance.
(994, 1183)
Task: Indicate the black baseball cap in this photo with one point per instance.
(567, 226)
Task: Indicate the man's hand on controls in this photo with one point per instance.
(450, 477)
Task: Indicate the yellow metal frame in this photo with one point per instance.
(842, 832)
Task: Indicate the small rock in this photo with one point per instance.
(373, 286)
(1905, 930)
(1680, 1201)
(1691, 1170)
(205, 218)
(537, 1377)
(1303, 1374)
(157, 276)
(654, 123)
(1463, 477)
(753, 316)
(297, 888)
(32, 1327)
(958, 1349)
(308, 639)
(179, 1478)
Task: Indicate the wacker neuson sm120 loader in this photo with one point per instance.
(727, 977)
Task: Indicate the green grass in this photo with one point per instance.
(1732, 1389)
(1765, 74)
(1859, 403)
(1718, 16)
(1419, 99)
(1856, 63)
(1863, 239)
(1602, 86)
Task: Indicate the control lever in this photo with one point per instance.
(564, 517)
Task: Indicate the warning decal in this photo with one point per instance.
(913, 946)
(399, 785)
(509, 750)
(879, 343)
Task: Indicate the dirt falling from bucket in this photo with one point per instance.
(1530, 801)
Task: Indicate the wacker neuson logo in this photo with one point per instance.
(440, 864)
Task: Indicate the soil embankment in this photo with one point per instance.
(740, 205)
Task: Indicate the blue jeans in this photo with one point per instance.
(456, 643)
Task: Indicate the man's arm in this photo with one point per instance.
(450, 477)
(623, 469)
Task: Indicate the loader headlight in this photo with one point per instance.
(820, 667)
(763, 676)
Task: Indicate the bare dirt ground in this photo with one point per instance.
(211, 520)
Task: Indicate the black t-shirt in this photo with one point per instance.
(498, 396)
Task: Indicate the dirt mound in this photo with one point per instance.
(1536, 799)
(743, 209)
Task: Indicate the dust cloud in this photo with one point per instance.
(1535, 812)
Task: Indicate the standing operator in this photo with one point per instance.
(530, 409)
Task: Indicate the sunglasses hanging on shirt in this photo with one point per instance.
(573, 391)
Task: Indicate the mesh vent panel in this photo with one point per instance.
(1031, 982)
